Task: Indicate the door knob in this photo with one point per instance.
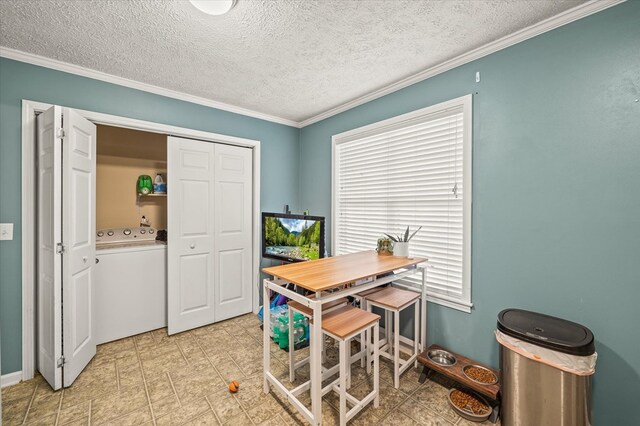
(84, 259)
(192, 246)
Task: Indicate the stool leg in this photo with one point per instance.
(387, 329)
(292, 369)
(396, 349)
(368, 345)
(363, 305)
(362, 346)
(376, 364)
(416, 331)
(348, 360)
(367, 348)
(343, 382)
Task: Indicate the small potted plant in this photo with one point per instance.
(385, 246)
(401, 242)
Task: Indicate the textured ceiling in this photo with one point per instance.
(291, 59)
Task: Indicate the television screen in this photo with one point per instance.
(293, 238)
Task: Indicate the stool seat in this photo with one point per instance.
(309, 312)
(347, 321)
(370, 291)
(393, 298)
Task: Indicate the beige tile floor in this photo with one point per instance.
(157, 379)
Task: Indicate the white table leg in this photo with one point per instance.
(423, 323)
(266, 342)
(344, 365)
(416, 330)
(315, 364)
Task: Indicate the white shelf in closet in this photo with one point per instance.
(152, 195)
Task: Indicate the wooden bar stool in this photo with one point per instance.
(394, 300)
(307, 312)
(361, 298)
(343, 324)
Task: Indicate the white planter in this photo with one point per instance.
(401, 249)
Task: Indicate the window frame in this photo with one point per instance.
(466, 103)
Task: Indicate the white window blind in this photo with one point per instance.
(412, 170)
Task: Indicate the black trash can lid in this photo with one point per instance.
(547, 331)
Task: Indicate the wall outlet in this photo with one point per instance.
(6, 231)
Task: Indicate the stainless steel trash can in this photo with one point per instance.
(533, 392)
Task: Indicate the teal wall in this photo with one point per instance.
(556, 195)
(556, 219)
(279, 149)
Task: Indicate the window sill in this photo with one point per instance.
(458, 305)
(439, 299)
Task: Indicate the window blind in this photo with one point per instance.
(407, 172)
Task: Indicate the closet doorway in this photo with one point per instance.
(227, 281)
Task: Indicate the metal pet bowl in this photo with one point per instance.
(441, 357)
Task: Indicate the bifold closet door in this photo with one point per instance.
(190, 250)
(79, 238)
(49, 281)
(233, 230)
(66, 244)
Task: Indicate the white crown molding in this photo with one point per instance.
(549, 24)
(42, 61)
(566, 17)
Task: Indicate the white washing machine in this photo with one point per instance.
(130, 292)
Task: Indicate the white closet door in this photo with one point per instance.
(78, 236)
(49, 283)
(233, 231)
(190, 276)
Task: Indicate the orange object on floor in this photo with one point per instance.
(234, 386)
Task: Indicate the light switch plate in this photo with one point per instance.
(6, 231)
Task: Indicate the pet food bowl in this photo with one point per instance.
(467, 412)
(441, 357)
(479, 367)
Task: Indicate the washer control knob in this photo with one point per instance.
(127, 232)
(151, 231)
(100, 234)
(142, 231)
(110, 233)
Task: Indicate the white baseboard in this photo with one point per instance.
(10, 379)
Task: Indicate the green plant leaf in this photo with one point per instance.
(392, 238)
(406, 235)
(414, 233)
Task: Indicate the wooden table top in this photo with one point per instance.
(331, 272)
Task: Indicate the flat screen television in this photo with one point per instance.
(292, 238)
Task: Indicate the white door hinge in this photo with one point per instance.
(59, 248)
(60, 133)
(61, 362)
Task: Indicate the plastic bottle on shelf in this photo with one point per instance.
(159, 187)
